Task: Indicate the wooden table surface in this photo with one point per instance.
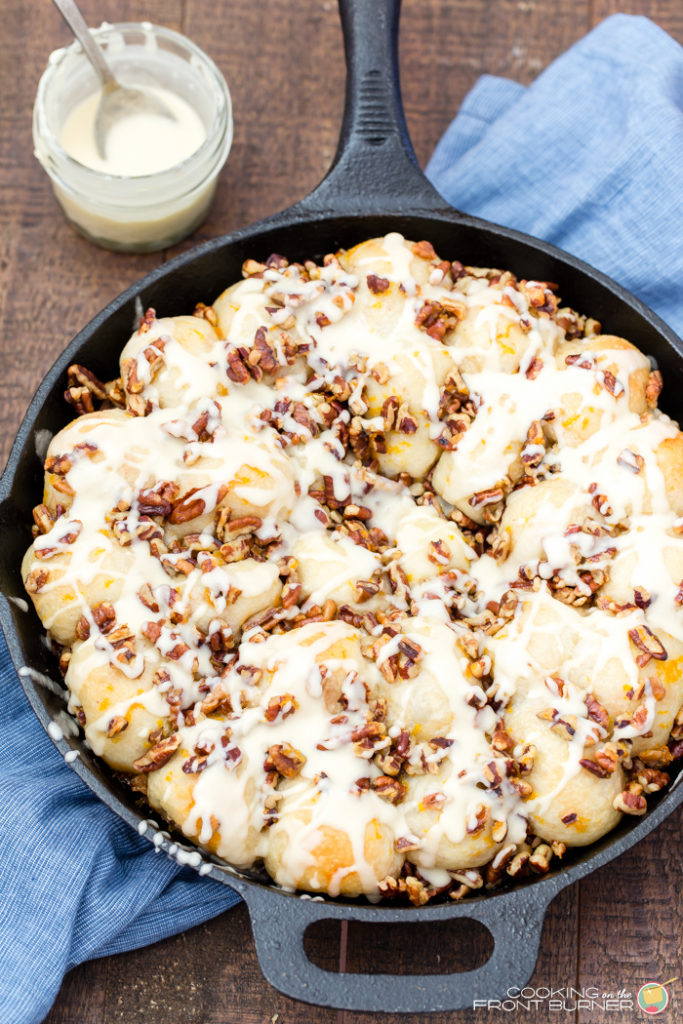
(283, 60)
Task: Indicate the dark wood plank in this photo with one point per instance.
(631, 922)
(82, 998)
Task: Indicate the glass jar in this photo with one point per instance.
(150, 211)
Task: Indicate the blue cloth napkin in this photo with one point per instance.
(76, 882)
(589, 157)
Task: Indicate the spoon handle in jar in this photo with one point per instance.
(76, 22)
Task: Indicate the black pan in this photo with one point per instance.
(374, 186)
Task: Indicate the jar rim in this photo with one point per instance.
(212, 146)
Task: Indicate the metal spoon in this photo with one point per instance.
(117, 101)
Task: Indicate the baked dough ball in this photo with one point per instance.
(429, 703)
(66, 584)
(120, 712)
(330, 567)
(609, 354)
(489, 336)
(88, 446)
(429, 544)
(188, 798)
(536, 517)
(325, 857)
(233, 592)
(670, 462)
(169, 362)
(595, 652)
(246, 476)
(562, 789)
(450, 834)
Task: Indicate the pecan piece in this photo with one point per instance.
(424, 250)
(652, 780)
(653, 389)
(158, 755)
(389, 788)
(631, 800)
(648, 643)
(596, 712)
(236, 369)
(595, 768)
(280, 707)
(283, 758)
(630, 460)
(82, 628)
(104, 616)
(228, 529)
(81, 376)
(116, 726)
(36, 580)
(378, 285)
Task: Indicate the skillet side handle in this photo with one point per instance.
(375, 166)
(279, 923)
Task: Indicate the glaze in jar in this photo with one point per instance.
(135, 212)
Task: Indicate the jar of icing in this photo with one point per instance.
(159, 176)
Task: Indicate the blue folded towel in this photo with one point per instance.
(589, 157)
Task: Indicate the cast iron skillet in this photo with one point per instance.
(374, 186)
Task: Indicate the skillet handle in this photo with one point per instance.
(375, 166)
(279, 922)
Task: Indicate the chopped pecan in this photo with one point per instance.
(653, 389)
(146, 596)
(236, 368)
(631, 800)
(651, 779)
(186, 509)
(80, 398)
(154, 503)
(405, 843)
(228, 529)
(82, 628)
(235, 550)
(43, 518)
(36, 580)
(116, 726)
(104, 616)
(280, 707)
(608, 758)
(595, 768)
(501, 740)
(540, 858)
(630, 460)
(656, 757)
(389, 788)
(158, 755)
(648, 643)
(378, 285)
(80, 376)
(283, 758)
(194, 764)
(596, 712)
(424, 250)
(438, 318)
